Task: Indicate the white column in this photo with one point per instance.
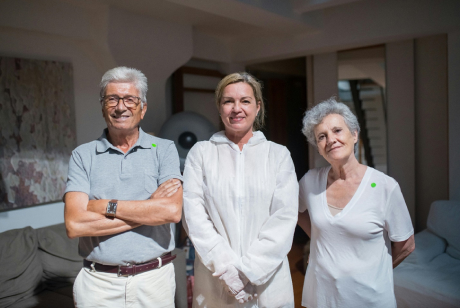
(431, 125)
(400, 118)
(453, 62)
(325, 78)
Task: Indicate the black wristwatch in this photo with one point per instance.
(111, 208)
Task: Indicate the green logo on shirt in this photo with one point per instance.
(373, 185)
(154, 145)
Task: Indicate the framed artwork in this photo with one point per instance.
(37, 131)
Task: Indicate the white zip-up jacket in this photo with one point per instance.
(240, 208)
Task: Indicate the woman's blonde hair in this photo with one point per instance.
(256, 88)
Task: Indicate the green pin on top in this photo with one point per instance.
(373, 185)
(154, 145)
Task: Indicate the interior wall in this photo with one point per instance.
(35, 217)
(357, 24)
(325, 79)
(57, 30)
(431, 125)
(453, 60)
(202, 102)
(401, 118)
(94, 40)
(37, 39)
(210, 47)
(155, 47)
(418, 119)
(344, 27)
(28, 30)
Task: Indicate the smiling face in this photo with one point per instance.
(120, 117)
(238, 108)
(334, 140)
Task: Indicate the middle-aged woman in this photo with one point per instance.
(240, 206)
(355, 215)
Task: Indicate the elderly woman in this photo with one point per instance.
(240, 206)
(356, 217)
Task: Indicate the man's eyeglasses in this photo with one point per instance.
(130, 101)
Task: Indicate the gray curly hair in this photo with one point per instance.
(126, 74)
(316, 114)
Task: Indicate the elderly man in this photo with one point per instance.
(123, 191)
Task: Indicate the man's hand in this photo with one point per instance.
(167, 189)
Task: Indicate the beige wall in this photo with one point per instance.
(401, 118)
(94, 40)
(91, 36)
(453, 60)
(431, 125)
(416, 75)
(324, 85)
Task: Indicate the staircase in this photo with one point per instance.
(374, 117)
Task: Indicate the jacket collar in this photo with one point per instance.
(103, 144)
(257, 137)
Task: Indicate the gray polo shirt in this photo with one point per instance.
(103, 171)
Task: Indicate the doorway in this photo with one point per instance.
(285, 96)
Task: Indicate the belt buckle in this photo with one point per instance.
(119, 274)
(160, 262)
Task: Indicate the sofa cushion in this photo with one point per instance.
(21, 269)
(46, 299)
(434, 284)
(66, 291)
(59, 256)
(443, 221)
(427, 247)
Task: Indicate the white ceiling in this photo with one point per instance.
(232, 19)
(254, 31)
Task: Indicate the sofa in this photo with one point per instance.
(38, 268)
(430, 276)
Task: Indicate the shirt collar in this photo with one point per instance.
(103, 144)
(257, 137)
(143, 140)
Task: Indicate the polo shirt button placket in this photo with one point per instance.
(123, 163)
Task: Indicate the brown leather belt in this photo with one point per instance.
(130, 269)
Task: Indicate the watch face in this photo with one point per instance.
(111, 209)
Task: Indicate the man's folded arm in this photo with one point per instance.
(86, 217)
(80, 222)
(153, 212)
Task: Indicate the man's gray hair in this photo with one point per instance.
(315, 116)
(126, 74)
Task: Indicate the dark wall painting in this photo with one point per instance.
(37, 130)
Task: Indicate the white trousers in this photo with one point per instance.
(155, 288)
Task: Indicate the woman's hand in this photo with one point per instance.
(232, 280)
(247, 294)
(167, 189)
(400, 250)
